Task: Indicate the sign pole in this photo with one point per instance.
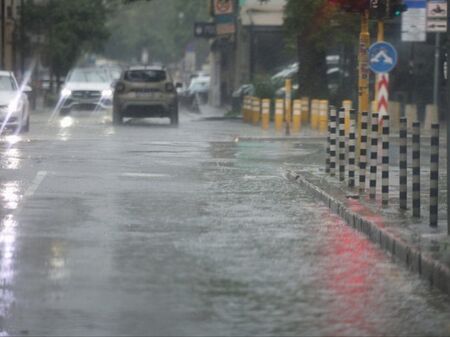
(363, 83)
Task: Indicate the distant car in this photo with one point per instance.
(145, 91)
(86, 89)
(196, 93)
(14, 106)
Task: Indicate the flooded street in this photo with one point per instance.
(147, 229)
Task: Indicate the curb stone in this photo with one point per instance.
(437, 274)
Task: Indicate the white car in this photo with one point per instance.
(86, 89)
(14, 106)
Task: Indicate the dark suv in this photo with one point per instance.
(143, 92)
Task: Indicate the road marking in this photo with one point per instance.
(261, 178)
(40, 176)
(144, 175)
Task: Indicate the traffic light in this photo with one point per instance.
(396, 8)
(378, 9)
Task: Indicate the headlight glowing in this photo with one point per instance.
(107, 93)
(66, 92)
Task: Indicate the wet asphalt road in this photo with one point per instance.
(146, 229)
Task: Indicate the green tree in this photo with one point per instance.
(71, 28)
(314, 27)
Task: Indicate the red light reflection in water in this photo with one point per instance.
(350, 279)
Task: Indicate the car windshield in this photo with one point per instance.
(6, 83)
(88, 76)
(145, 75)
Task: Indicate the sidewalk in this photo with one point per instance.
(410, 240)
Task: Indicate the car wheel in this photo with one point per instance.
(117, 117)
(174, 116)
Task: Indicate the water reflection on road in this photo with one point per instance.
(164, 231)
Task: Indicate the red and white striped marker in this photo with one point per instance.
(383, 95)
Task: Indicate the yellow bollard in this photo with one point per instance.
(305, 110)
(373, 107)
(347, 105)
(297, 116)
(265, 114)
(315, 113)
(244, 109)
(288, 108)
(279, 111)
(256, 110)
(323, 116)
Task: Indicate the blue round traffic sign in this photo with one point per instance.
(382, 57)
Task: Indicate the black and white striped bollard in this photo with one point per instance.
(342, 144)
(403, 164)
(416, 169)
(363, 152)
(327, 164)
(385, 162)
(351, 150)
(434, 175)
(373, 156)
(332, 141)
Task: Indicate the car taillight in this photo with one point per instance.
(170, 87)
(120, 87)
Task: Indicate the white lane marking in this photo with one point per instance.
(262, 178)
(40, 176)
(144, 175)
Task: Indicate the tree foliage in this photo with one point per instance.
(70, 28)
(164, 27)
(314, 27)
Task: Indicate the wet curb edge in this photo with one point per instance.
(437, 274)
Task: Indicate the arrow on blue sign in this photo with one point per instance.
(382, 57)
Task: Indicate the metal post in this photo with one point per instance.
(363, 152)
(437, 57)
(363, 59)
(297, 116)
(245, 109)
(288, 108)
(403, 163)
(373, 156)
(434, 175)
(323, 115)
(351, 149)
(416, 169)
(279, 111)
(256, 110)
(342, 144)
(265, 114)
(385, 162)
(332, 141)
(327, 164)
(305, 110)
